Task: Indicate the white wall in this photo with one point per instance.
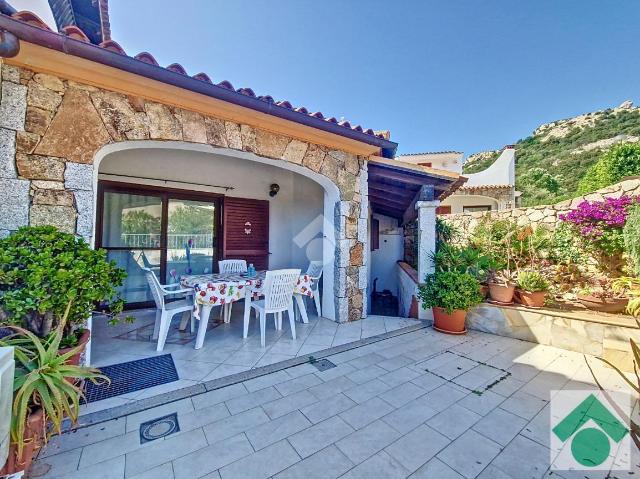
(458, 202)
(298, 203)
(384, 259)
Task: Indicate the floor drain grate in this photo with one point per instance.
(323, 364)
(159, 428)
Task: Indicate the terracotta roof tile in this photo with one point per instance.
(146, 57)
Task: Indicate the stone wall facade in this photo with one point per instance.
(51, 129)
(547, 215)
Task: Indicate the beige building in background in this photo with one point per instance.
(492, 189)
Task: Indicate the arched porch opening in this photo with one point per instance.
(301, 214)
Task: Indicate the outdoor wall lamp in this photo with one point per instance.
(273, 189)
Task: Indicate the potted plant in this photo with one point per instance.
(603, 297)
(46, 390)
(502, 286)
(42, 270)
(532, 289)
(450, 294)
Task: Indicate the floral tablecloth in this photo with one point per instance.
(219, 289)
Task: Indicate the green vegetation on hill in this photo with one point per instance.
(546, 169)
(482, 164)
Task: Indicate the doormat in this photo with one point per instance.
(174, 336)
(132, 376)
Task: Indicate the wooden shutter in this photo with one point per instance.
(246, 231)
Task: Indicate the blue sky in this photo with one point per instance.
(463, 75)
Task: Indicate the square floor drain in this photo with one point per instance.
(323, 364)
(159, 428)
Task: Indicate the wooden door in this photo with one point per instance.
(246, 231)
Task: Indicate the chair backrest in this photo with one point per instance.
(315, 269)
(154, 286)
(232, 266)
(278, 288)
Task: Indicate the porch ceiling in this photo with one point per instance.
(395, 185)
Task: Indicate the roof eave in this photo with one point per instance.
(88, 51)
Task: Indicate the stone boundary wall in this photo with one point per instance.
(545, 214)
(51, 129)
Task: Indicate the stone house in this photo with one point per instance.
(120, 150)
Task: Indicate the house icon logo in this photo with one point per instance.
(590, 435)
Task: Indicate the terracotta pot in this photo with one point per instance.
(532, 299)
(607, 305)
(33, 435)
(75, 359)
(484, 290)
(501, 293)
(449, 323)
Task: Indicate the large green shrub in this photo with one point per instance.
(631, 233)
(463, 259)
(450, 290)
(620, 161)
(42, 270)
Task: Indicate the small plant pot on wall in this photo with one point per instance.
(531, 299)
(603, 305)
(449, 323)
(501, 294)
(33, 441)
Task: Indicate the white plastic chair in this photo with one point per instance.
(166, 311)
(314, 271)
(227, 266)
(278, 297)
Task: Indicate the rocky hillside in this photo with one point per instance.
(551, 162)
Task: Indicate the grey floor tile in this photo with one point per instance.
(110, 448)
(233, 425)
(111, 469)
(453, 421)
(251, 400)
(481, 403)
(273, 431)
(469, 454)
(510, 460)
(455, 368)
(289, 403)
(435, 469)
(400, 395)
(492, 472)
(399, 376)
(320, 436)
(262, 382)
(83, 437)
(411, 415)
(163, 471)
(339, 370)
(428, 381)
(165, 450)
(58, 465)
(262, 464)
(366, 360)
(364, 392)
(298, 384)
(329, 463)
(367, 441)
(418, 447)
(367, 412)
(331, 387)
(444, 396)
(367, 373)
(500, 426)
(523, 405)
(321, 410)
(394, 363)
(381, 465)
(212, 458)
(202, 417)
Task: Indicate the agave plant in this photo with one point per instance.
(43, 379)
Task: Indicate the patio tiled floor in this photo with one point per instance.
(378, 414)
(224, 351)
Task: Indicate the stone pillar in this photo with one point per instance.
(426, 243)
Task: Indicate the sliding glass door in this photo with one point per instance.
(172, 233)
